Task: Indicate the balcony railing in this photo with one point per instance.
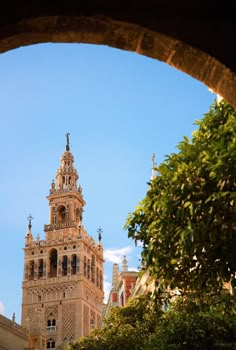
(51, 329)
(61, 225)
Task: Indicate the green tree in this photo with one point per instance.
(197, 323)
(190, 323)
(187, 223)
(126, 328)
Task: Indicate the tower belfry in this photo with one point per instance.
(63, 274)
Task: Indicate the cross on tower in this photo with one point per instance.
(29, 219)
(99, 231)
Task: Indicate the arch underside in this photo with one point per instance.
(102, 30)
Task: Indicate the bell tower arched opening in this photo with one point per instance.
(61, 214)
(53, 263)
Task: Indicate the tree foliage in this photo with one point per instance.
(126, 328)
(187, 223)
(197, 323)
(187, 226)
(190, 323)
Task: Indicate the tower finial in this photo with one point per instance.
(67, 141)
(124, 264)
(99, 234)
(29, 219)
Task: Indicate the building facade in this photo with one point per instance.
(62, 286)
(12, 335)
(123, 283)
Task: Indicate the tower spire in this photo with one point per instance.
(99, 231)
(29, 219)
(66, 176)
(29, 237)
(67, 142)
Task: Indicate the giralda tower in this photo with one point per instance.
(62, 286)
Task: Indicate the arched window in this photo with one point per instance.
(40, 268)
(85, 265)
(51, 344)
(73, 264)
(93, 269)
(64, 265)
(88, 269)
(31, 269)
(51, 325)
(61, 214)
(53, 263)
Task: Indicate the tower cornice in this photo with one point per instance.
(66, 194)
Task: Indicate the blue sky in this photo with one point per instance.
(119, 108)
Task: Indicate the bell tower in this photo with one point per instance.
(63, 273)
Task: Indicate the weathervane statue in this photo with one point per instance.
(67, 141)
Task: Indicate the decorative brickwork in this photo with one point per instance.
(86, 320)
(68, 321)
(51, 311)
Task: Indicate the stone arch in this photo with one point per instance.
(126, 34)
(61, 214)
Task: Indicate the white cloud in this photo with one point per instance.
(133, 269)
(1, 307)
(116, 255)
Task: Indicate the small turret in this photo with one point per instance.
(124, 264)
(29, 237)
(99, 235)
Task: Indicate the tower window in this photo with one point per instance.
(53, 263)
(88, 269)
(61, 214)
(51, 344)
(93, 269)
(64, 265)
(85, 265)
(51, 326)
(40, 271)
(73, 264)
(31, 270)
